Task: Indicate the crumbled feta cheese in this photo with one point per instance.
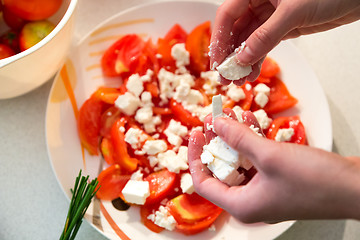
(136, 191)
(261, 99)
(172, 161)
(127, 103)
(146, 99)
(147, 76)
(186, 183)
(211, 81)
(153, 147)
(216, 104)
(262, 118)
(175, 132)
(180, 55)
(138, 175)
(144, 115)
(262, 88)
(256, 130)
(150, 126)
(135, 137)
(231, 70)
(284, 134)
(135, 85)
(236, 93)
(163, 218)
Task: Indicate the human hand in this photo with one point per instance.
(292, 182)
(262, 24)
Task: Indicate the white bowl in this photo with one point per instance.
(29, 69)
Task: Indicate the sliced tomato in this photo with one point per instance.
(269, 68)
(107, 94)
(145, 211)
(121, 155)
(153, 88)
(89, 122)
(183, 115)
(192, 208)
(197, 43)
(122, 57)
(111, 182)
(147, 59)
(161, 111)
(161, 185)
(108, 118)
(280, 98)
(107, 150)
(294, 122)
(175, 35)
(197, 227)
(245, 103)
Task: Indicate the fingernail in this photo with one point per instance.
(245, 56)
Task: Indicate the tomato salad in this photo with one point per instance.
(141, 128)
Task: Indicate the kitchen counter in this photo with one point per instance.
(32, 204)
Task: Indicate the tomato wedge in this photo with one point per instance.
(197, 43)
(121, 57)
(184, 116)
(112, 181)
(199, 226)
(192, 208)
(107, 95)
(269, 68)
(161, 185)
(89, 122)
(145, 211)
(294, 122)
(280, 98)
(121, 155)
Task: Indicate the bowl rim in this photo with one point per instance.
(69, 12)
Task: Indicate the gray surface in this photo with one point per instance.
(32, 203)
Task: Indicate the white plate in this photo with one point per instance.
(85, 75)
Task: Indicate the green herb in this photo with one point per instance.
(83, 192)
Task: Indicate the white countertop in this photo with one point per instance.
(32, 204)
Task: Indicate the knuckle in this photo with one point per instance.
(263, 36)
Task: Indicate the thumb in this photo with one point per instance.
(267, 36)
(240, 137)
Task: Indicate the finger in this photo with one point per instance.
(209, 127)
(240, 137)
(224, 81)
(267, 36)
(195, 148)
(222, 39)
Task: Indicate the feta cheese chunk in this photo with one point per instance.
(284, 134)
(163, 218)
(135, 85)
(180, 55)
(230, 69)
(216, 104)
(136, 191)
(135, 137)
(153, 147)
(172, 161)
(127, 103)
(226, 173)
(175, 132)
(262, 94)
(236, 93)
(186, 183)
(262, 118)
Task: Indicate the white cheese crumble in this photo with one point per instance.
(180, 55)
(186, 183)
(153, 147)
(175, 132)
(262, 92)
(235, 93)
(172, 161)
(163, 218)
(135, 137)
(127, 103)
(262, 118)
(230, 69)
(284, 134)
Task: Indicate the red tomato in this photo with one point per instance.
(191, 208)
(107, 150)
(280, 98)
(34, 32)
(12, 20)
(199, 226)
(33, 10)
(11, 39)
(5, 51)
(108, 118)
(108, 95)
(269, 68)
(197, 43)
(145, 211)
(175, 35)
(294, 122)
(245, 103)
(89, 124)
(121, 155)
(111, 182)
(161, 185)
(184, 116)
(122, 56)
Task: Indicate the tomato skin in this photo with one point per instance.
(33, 10)
(5, 51)
(11, 39)
(121, 155)
(161, 185)
(197, 227)
(34, 32)
(184, 116)
(108, 118)
(197, 43)
(111, 182)
(269, 68)
(294, 122)
(121, 57)
(89, 122)
(12, 20)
